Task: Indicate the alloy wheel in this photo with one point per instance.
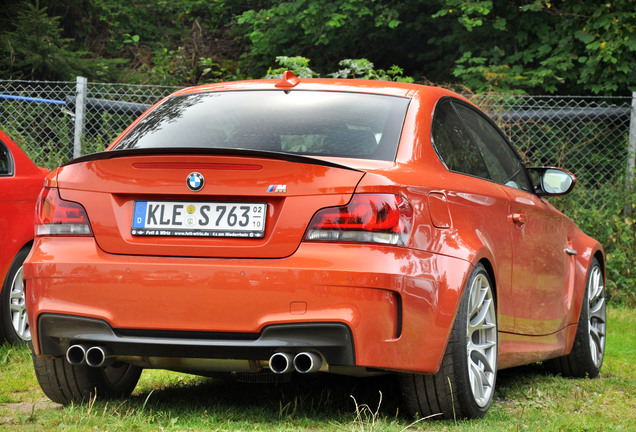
(597, 315)
(481, 340)
(17, 308)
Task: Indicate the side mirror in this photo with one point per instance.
(553, 181)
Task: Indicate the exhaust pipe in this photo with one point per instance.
(76, 355)
(307, 362)
(98, 356)
(281, 363)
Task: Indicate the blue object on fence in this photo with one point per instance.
(30, 99)
(112, 107)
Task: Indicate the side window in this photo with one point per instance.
(453, 144)
(502, 162)
(5, 161)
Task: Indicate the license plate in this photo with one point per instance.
(199, 219)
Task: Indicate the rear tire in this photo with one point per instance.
(588, 351)
(14, 323)
(64, 383)
(464, 385)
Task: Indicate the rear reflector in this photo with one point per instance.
(54, 216)
(368, 218)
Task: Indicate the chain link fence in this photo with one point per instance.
(589, 136)
(56, 121)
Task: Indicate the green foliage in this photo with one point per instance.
(35, 49)
(211, 71)
(351, 68)
(492, 45)
(364, 69)
(519, 46)
(149, 23)
(181, 42)
(298, 65)
(321, 31)
(543, 46)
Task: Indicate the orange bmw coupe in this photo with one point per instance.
(296, 226)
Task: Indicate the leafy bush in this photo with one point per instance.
(351, 68)
(298, 65)
(364, 69)
(322, 31)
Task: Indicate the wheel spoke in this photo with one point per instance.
(477, 296)
(480, 357)
(481, 320)
(597, 310)
(16, 298)
(478, 379)
(597, 333)
(22, 323)
(596, 284)
(481, 383)
(483, 347)
(15, 308)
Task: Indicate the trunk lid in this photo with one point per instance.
(288, 188)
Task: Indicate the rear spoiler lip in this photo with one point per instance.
(113, 154)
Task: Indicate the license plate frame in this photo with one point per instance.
(220, 219)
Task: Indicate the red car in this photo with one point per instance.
(20, 184)
(301, 226)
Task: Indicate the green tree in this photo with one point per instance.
(35, 49)
(520, 46)
(568, 46)
(181, 42)
(516, 46)
(325, 32)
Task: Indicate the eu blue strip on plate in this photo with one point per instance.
(139, 220)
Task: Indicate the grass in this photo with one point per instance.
(526, 399)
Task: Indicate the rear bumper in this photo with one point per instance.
(334, 341)
(371, 306)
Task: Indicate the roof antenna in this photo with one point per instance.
(289, 81)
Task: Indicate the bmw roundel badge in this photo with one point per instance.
(195, 181)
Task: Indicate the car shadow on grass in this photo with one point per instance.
(316, 395)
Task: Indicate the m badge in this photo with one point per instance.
(277, 189)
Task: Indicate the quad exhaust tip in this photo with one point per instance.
(281, 363)
(76, 355)
(95, 356)
(98, 356)
(304, 362)
(307, 362)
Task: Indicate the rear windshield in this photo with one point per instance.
(357, 125)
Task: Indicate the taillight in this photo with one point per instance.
(54, 216)
(368, 218)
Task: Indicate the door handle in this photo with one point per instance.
(519, 219)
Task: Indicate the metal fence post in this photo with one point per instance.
(631, 154)
(80, 115)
